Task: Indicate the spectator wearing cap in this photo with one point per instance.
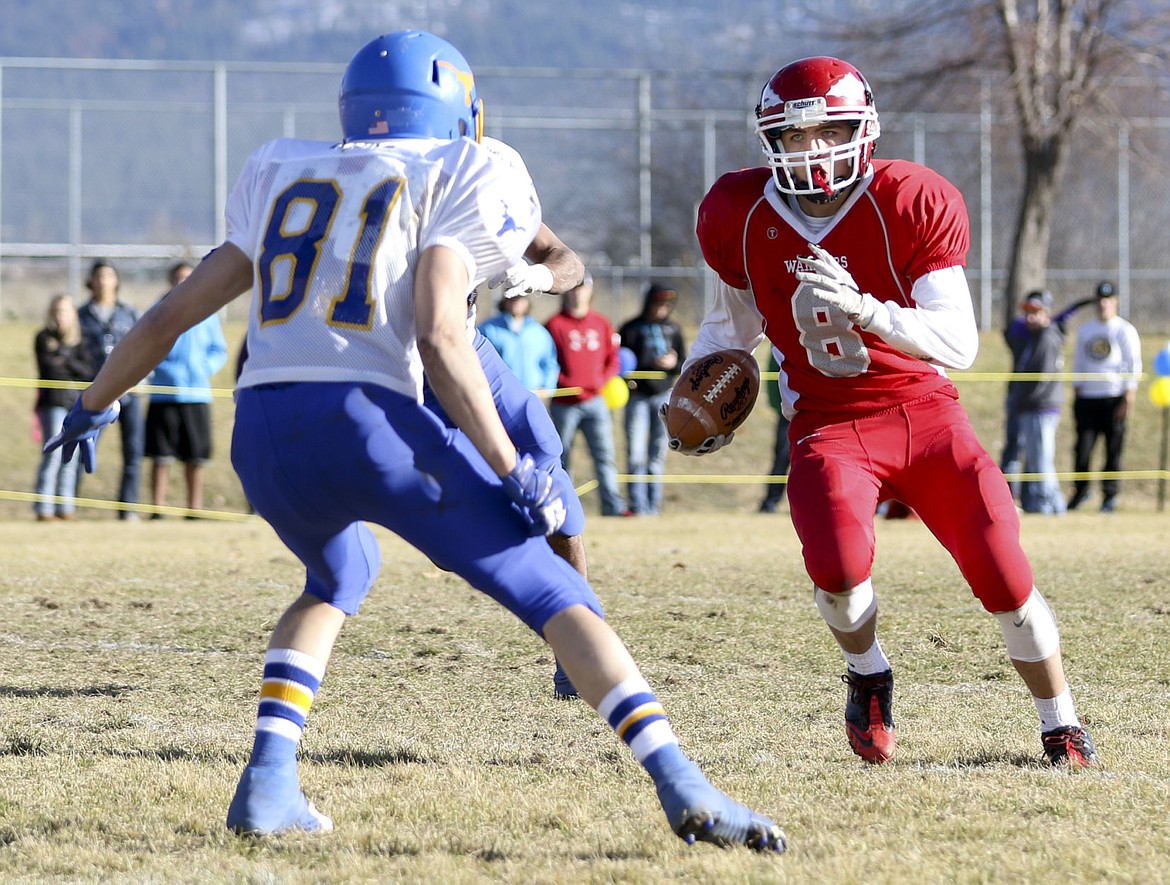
(1107, 347)
(659, 349)
(105, 320)
(1036, 402)
(524, 345)
(1018, 335)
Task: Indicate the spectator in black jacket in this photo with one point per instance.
(105, 320)
(1037, 347)
(62, 355)
(657, 344)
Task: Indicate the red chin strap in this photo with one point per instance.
(821, 181)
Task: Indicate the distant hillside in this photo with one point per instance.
(623, 34)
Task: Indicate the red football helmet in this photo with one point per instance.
(806, 93)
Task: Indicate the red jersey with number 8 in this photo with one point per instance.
(902, 223)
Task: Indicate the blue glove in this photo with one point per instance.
(536, 496)
(80, 429)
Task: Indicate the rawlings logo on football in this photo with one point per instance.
(704, 369)
(745, 398)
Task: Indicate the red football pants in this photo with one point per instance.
(925, 454)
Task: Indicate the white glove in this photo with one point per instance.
(523, 279)
(706, 447)
(834, 285)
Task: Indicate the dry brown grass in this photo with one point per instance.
(133, 655)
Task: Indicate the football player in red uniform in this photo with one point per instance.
(853, 269)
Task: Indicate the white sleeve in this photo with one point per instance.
(238, 213)
(1131, 356)
(941, 327)
(732, 323)
(489, 215)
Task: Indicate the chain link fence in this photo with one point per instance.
(133, 161)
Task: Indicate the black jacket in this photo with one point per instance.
(60, 362)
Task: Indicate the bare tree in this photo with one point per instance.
(1058, 57)
(1055, 52)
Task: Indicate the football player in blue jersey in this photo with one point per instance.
(550, 267)
(360, 256)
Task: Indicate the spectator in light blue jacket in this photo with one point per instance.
(178, 421)
(524, 345)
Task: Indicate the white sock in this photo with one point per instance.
(868, 662)
(1057, 712)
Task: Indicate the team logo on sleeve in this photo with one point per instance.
(509, 221)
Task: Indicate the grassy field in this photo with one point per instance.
(133, 657)
(728, 481)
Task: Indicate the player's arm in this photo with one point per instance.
(550, 266)
(457, 379)
(219, 278)
(449, 360)
(940, 328)
(566, 267)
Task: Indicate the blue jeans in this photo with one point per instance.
(131, 425)
(1009, 461)
(593, 418)
(645, 450)
(53, 477)
(1038, 437)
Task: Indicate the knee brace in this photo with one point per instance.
(847, 611)
(1030, 632)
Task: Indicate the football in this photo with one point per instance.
(713, 396)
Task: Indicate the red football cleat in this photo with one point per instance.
(1070, 746)
(869, 722)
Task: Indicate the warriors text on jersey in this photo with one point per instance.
(899, 224)
(334, 232)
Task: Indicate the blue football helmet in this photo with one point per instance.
(409, 84)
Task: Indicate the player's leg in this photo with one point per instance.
(294, 487)
(833, 493)
(268, 798)
(978, 524)
(521, 573)
(530, 427)
(610, 682)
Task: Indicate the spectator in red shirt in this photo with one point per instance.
(587, 350)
